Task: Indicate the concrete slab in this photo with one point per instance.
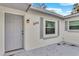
(51, 50)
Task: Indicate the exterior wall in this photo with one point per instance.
(71, 36)
(4, 10)
(32, 32)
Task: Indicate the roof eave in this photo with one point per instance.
(46, 12)
(69, 16)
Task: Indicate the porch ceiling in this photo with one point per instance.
(19, 6)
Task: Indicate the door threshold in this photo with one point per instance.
(13, 52)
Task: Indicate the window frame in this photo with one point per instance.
(44, 28)
(69, 26)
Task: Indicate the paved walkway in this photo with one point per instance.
(51, 50)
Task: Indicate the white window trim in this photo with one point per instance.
(68, 26)
(56, 28)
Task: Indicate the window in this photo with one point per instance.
(50, 27)
(74, 25)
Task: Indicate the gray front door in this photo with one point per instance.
(13, 32)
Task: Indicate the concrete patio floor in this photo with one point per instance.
(51, 50)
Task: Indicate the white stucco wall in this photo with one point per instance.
(71, 36)
(32, 32)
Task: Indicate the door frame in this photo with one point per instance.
(22, 32)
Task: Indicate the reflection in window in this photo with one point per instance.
(74, 25)
(50, 27)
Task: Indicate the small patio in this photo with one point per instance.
(51, 50)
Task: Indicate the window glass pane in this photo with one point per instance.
(50, 27)
(50, 31)
(74, 25)
(50, 24)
